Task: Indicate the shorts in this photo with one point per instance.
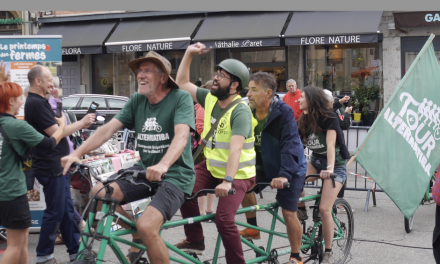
(15, 214)
(321, 164)
(167, 197)
(287, 198)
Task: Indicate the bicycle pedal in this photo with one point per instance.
(143, 261)
(193, 254)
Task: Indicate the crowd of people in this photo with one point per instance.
(242, 145)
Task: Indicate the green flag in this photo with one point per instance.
(402, 149)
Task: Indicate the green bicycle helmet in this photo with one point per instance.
(238, 69)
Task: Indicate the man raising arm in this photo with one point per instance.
(230, 154)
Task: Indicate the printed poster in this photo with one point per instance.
(21, 53)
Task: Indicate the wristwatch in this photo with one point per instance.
(229, 179)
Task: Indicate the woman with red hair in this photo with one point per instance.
(14, 207)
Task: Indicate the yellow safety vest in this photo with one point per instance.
(217, 157)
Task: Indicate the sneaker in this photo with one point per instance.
(185, 246)
(295, 261)
(249, 233)
(49, 261)
(328, 258)
(302, 215)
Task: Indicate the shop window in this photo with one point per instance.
(253, 55)
(102, 74)
(174, 57)
(411, 56)
(271, 60)
(115, 104)
(340, 67)
(72, 58)
(87, 101)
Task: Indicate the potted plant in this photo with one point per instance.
(362, 97)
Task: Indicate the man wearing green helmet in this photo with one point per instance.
(229, 152)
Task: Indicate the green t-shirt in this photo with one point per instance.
(22, 136)
(241, 117)
(257, 132)
(154, 131)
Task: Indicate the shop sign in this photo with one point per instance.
(172, 45)
(20, 54)
(82, 50)
(326, 40)
(71, 51)
(242, 43)
(417, 19)
(11, 21)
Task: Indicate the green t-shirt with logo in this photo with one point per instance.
(241, 117)
(22, 136)
(154, 127)
(257, 132)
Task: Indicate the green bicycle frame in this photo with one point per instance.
(110, 238)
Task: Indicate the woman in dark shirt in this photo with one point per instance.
(320, 132)
(14, 206)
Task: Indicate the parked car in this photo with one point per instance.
(109, 105)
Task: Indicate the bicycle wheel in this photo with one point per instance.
(341, 247)
(409, 223)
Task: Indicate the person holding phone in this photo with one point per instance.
(14, 206)
(46, 166)
(56, 105)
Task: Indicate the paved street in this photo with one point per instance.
(379, 235)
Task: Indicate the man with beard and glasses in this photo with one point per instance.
(161, 116)
(229, 153)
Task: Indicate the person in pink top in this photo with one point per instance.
(209, 199)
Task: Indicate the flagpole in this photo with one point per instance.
(399, 86)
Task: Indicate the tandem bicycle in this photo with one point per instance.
(312, 239)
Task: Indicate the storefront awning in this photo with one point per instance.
(240, 30)
(80, 38)
(416, 19)
(339, 27)
(153, 34)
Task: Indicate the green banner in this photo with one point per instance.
(402, 149)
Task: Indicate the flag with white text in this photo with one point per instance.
(402, 149)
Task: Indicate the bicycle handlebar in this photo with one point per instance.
(130, 175)
(285, 186)
(205, 191)
(332, 177)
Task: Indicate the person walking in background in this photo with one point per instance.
(292, 98)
